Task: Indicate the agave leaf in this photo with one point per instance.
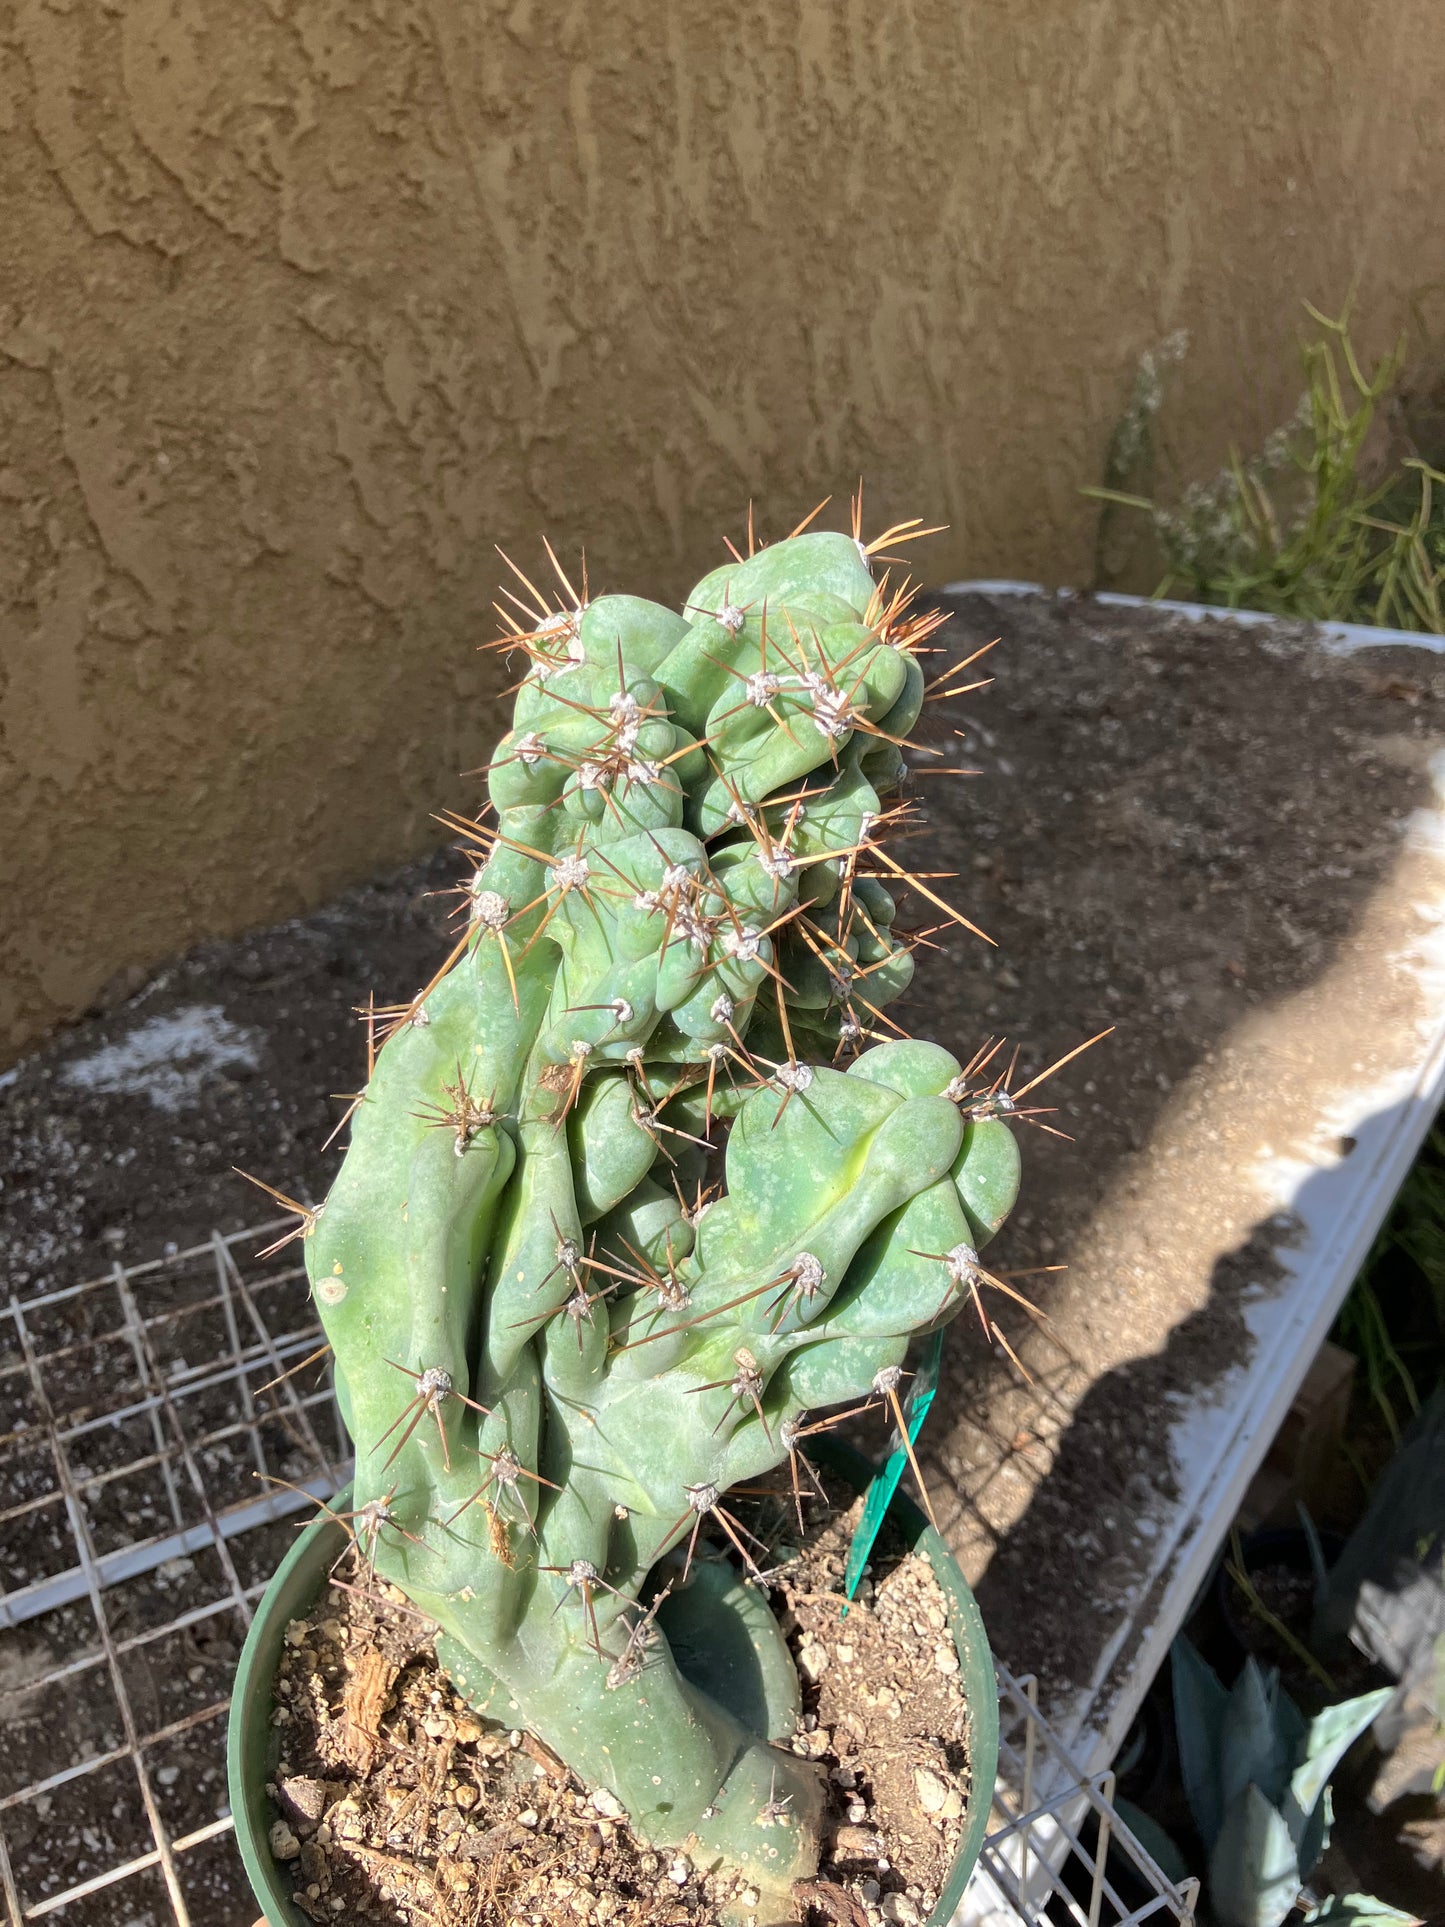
(1358, 1910)
(1199, 1708)
(1254, 1876)
(1153, 1839)
(1330, 1735)
(1254, 1747)
(1319, 1567)
(1293, 1728)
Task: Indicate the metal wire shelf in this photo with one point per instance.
(140, 1414)
(1057, 1850)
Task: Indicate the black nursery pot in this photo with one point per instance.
(1271, 1549)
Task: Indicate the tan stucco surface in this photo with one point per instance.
(304, 306)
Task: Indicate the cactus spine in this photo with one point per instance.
(554, 1354)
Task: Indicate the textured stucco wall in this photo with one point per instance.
(306, 304)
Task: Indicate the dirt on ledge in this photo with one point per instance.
(1198, 833)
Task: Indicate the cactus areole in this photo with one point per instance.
(556, 1352)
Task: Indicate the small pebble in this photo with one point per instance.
(946, 1660)
(932, 1792)
(679, 1871)
(812, 1660)
(899, 1908)
(284, 1844)
(347, 1822)
(855, 1843)
(608, 1805)
(527, 1819)
(304, 1796)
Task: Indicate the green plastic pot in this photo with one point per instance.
(252, 1748)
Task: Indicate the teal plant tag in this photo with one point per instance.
(880, 1492)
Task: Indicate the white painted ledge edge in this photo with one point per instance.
(1340, 1206)
(1338, 637)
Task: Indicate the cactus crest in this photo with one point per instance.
(646, 1179)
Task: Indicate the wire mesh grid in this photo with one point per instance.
(1056, 1848)
(145, 1416)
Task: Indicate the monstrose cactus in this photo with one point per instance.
(556, 1350)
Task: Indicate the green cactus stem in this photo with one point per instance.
(557, 1351)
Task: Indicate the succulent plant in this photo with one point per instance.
(556, 1350)
(1256, 1774)
(1358, 1910)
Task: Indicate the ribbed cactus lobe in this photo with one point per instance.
(558, 1349)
